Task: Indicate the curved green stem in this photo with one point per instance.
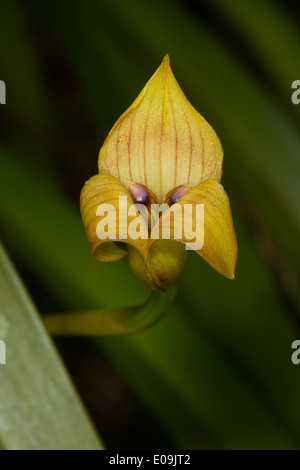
(112, 322)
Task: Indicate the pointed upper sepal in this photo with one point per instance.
(161, 141)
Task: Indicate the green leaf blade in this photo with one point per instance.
(40, 409)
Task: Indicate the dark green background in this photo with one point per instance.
(217, 372)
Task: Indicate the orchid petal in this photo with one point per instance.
(104, 191)
(219, 243)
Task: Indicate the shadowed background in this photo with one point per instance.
(217, 372)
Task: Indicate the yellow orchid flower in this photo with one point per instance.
(161, 150)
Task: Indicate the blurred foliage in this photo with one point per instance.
(216, 373)
(39, 407)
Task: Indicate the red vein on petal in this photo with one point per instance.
(145, 137)
(202, 152)
(176, 142)
(217, 163)
(161, 133)
(191, 147)
(129, 145)
(117, 149)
